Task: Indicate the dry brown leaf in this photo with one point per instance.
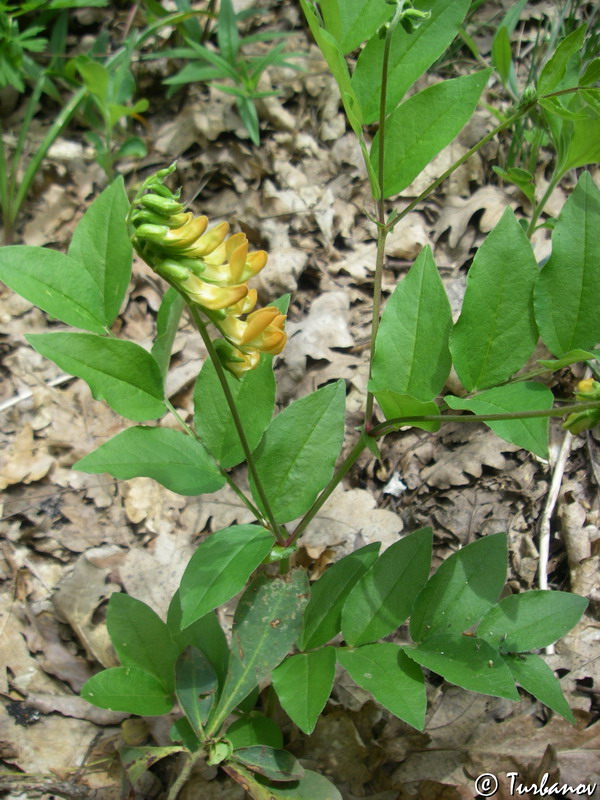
(73, 706)
(76, 601)
(26, 674)
(456, 467)
(26, 460)
(518, 742)
(457, 212)
(53, 744)
(325, 327)
(153, 574)
(43, 636)
(349, 520)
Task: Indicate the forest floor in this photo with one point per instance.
(68, 539)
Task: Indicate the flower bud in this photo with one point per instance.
(161, 205)
(234, 360)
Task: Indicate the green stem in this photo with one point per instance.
(341, 471)
(391, 424)
(184, 774)
(540, 206)
(55, 130)
(199, 322)
(245, 500)
(381, 226)
(459, 162)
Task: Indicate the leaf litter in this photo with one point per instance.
(69, 540)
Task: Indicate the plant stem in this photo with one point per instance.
(459, 162)
(199, 322)
(540, 206)
(341, 471)
(382, 230)
(245, 500)
(184, 774)
(391, 424)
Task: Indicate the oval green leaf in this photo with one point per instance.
(323, 615)
(536, 677)
(298, 451)
(121, 373)
(411, 353)
(462, 590)
(531, 434)
(393, 679)
(303, 684)
(171, 457)
(496, 331)
(219, 569)
(254, 397)
(383, 598)
(531, 620)
(567, 293)
(467, 662)
(128, 689)
(101, 244)
(141, 639)
(423, 125)
(59, 285)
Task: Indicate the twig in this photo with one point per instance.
(549, 505)
(19, 398)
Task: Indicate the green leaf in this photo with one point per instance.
(332, 53)
(532, 434)
(536, 677)
(101, 244)
(141, 639)
(411, 54)
(496, 331)
(128, 689)
(555, 68)
(502, 58)
(196, 685)
(171, 457)
(323, 615)
(277, 765)
(583, 147)
(227, 34)
(298, 451)
(411, 352)
(572, 357)
(136, 760)
(303, 684)
(254, 728)
(351, 22)
(423, 125)
(462, 590)
(167, 323)
(567, 293)
(266, 624)
(396, 405)
(59, 285)
(466, 661)
(205, 634)
(121, 373)
(393, 679)
(220, 567)
(254, 397)
(311, 787)
(531, 620)
(383, 598)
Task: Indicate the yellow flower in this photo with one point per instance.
(210, 295)
(262, 330)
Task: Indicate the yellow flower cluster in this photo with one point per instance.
(211, 269)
